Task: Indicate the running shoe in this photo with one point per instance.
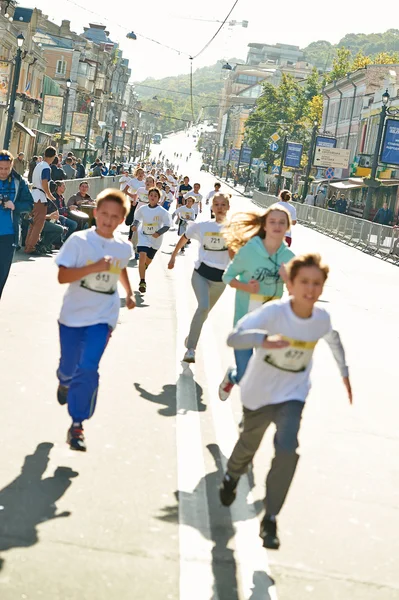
(228, 490)
(268, 533)
(136, 256)
(76, 438)
(142, 287)
(189, 356)
(62, 394)
(226, 386)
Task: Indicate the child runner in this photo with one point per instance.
(91, 261)
(185, 213)
(142, 192)
(197, 198)
(276, 383)
(213, 258)
(168, 198)
(212, 194)
(183, 189)
(131, 186)
(258, 243)
(285, 197)
(151, 221)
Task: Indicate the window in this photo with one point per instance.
(61, 67)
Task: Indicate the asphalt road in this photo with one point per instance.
(138, 515)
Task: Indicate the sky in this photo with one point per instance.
(188, 26)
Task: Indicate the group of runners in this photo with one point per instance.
(273, 337)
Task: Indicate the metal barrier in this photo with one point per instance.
(375, 239)
(96, 185)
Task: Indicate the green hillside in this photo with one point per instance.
(322, 53)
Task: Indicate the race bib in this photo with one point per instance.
(214, 241)
(295, 358)
(256, 301)
(105, 282)
(149, 228)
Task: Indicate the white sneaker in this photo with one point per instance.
(226, 386)
(189, 356)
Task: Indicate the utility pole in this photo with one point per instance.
(280, 174)
(65, 113)
(310, 159)
(13, 95)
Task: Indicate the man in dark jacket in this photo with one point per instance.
(80, 170)
(384, 215)
(57, 172)
(15, 199)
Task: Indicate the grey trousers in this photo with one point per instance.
(207, 294)
(287, 418)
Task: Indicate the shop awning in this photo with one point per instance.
(46, 133)
(346, 185)
(25, 129)
(389, 182)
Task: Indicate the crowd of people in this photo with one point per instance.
(273, 337)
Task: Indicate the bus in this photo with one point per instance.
(157, 138)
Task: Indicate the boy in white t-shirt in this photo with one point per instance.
(151, 221)
(197, 198)
(284, 201)
(276, 382)
(91, 261)
(186, 214)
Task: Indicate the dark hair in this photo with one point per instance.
(55, 161)
(285, 195)
(58, 183)
(69, 160)
(196, 184)
(50, 151)
(156, 190)
(217, 184)
(70, 154)
(82, 182)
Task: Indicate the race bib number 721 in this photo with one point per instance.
(214, 241)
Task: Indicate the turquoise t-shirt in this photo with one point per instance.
(252, 261)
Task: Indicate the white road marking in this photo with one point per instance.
(251, 556)
(196, 575)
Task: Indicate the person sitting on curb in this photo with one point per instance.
(82, 197)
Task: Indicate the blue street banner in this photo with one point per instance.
(390, 143)
(293, 155)
(326, 142)
(234, 154)
(246, 155)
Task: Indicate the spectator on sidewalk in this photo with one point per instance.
(320, 199)
(80, 170)
(309, 200)
(68, 168)
(341, 205)
(20, 164)
(41, 192)
(384, 215)
(53, 231)
(32, 166)
(57, 172)
(15, 199)
(82, 197)
(60, 203)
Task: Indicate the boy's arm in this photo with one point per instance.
(251, 330)
(124, 279)
(334, 341)
(71, 274)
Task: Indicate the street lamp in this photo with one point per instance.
(65, 113)
(116, 120)
(372, 184)
(280, 173)
(123, 139)
(88, 132)
(13, 95)
(310, 159)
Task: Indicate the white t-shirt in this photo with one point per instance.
(198, 199)
(275, 376)
(123, 182)
(212, 245)
(185, 213)
(93, 299)
(151, 220)
(41, 171)
(291, 209)
(142, 196)
(309, 200)
(211, 195)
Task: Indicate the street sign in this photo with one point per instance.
(273, 147)
(234, 154)
(275, 137)
(275, 169)
(263, 164)
(246, 155)
(329, 173)
(326, 142)
(293, 155)
(255, 162)
(334, 157)
(390, 144)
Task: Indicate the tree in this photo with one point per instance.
(341, 65)
(360, 61)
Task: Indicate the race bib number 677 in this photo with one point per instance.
(294, 358)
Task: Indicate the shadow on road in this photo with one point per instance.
(221, 531)
(30, 500)
(168, 398)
